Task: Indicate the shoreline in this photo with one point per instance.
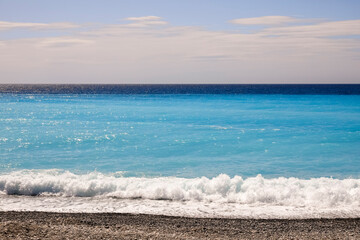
(52, 225)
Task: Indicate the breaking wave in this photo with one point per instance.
(315, 192)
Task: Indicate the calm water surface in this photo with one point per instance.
(182, 135)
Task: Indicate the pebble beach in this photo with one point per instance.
(46, 225)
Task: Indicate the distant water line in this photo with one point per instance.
(322, 89)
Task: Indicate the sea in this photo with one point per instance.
(233, 151)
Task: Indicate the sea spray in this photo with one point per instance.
(314, 192)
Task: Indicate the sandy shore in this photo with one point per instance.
(43, 225)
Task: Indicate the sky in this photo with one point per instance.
(184, 41)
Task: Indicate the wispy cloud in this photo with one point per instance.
(213, 58)
(266, 20)
(64, 42)
(121, 53)
(36, 26)
(145, 21)
(146, 18)
(324, 29)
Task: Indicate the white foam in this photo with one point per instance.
(222, 196)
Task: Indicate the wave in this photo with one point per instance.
(221, 196)
(315, 192)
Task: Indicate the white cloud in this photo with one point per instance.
(266, 20)
(325, 29)
(63, 42)
(118, 53)
(146, 18)
(36, 26)
(145, 21)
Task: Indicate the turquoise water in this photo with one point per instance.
(187, 136)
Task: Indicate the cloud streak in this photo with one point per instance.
(145, 18)
(325, 29)
(266, 20)
(36, 26)
(64, 42)
(122, 53)
(145, 21)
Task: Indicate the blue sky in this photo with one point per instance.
(207, 13)
(310, 41)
